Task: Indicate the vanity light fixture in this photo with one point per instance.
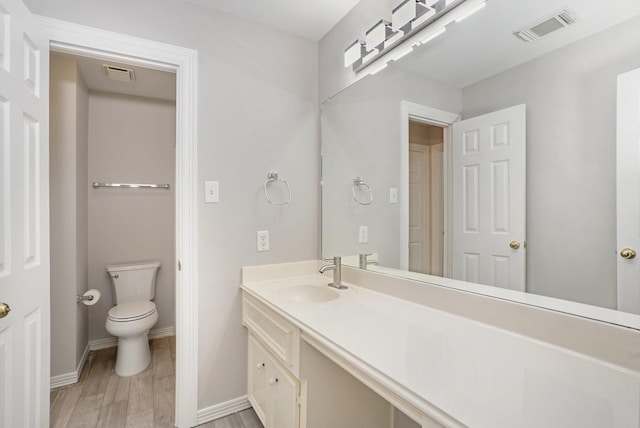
(428, 14)
(370, 55)
(395, 37)
(377, 34)
(413, 22)
(354, 52)
(406, 12)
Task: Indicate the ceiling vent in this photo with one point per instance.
(561, 19)
(119, 74)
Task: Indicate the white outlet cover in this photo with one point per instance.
(211, 192)
(262, 240)
(363, 235)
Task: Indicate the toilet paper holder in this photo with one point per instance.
(89, 298)
(84, 298)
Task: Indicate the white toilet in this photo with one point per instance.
(133, 316)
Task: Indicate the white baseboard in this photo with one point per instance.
(110, 342)
(221, 410)
(70, 378)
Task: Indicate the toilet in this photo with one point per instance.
(134, 314)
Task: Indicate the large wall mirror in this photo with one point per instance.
(553, 217)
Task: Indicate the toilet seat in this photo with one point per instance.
(132, 311)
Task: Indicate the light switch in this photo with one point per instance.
(211, 192)
(393, 195)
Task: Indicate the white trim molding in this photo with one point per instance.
(73, 377)
(432, 116)
(221, 410)
(87, 41)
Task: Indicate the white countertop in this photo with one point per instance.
(480, 375)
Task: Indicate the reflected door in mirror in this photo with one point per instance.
(488, 165)
(628, 192)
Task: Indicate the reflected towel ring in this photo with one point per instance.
(357, 183)
(272, 176)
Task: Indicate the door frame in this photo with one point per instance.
(431, 116)
(82, 40)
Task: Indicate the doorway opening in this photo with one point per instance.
(65, 37)
(426, 198)
(116, 130)
(431, 128)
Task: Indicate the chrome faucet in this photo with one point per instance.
(363, 262)
(336, 267)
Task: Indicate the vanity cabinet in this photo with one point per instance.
(272, 390)
(273, 386)
(294, 380)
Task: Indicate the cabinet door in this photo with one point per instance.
(258, 388)
(283, 393)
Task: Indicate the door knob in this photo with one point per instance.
(4, 309)
(628, 253)
(514, 245)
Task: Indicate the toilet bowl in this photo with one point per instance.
(131, 323)
(133, 315)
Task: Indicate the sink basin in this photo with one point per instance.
(308, 293)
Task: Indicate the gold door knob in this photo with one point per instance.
(4, 310)
(514, 245)
(628, 253)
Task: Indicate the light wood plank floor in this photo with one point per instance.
(102, 399)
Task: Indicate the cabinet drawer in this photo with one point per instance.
(280, 336)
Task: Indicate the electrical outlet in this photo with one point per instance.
(263, 240)
(211, 192)
(363, 236)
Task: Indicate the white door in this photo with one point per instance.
(628, 191)
(488, 161)
(418, 208)
(24, 219)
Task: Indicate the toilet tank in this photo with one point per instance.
(133, 281)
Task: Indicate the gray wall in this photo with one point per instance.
(68, 178)
(258, 110)
(571, 159)
(131, 140)
(361, 136)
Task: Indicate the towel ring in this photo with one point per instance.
(272, 176)
(357, 183)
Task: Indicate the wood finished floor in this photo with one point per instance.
(101, 398)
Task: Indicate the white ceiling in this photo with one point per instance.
(484, 44)
(308, 18)
(469, 51)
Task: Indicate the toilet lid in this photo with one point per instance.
(131, 311)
